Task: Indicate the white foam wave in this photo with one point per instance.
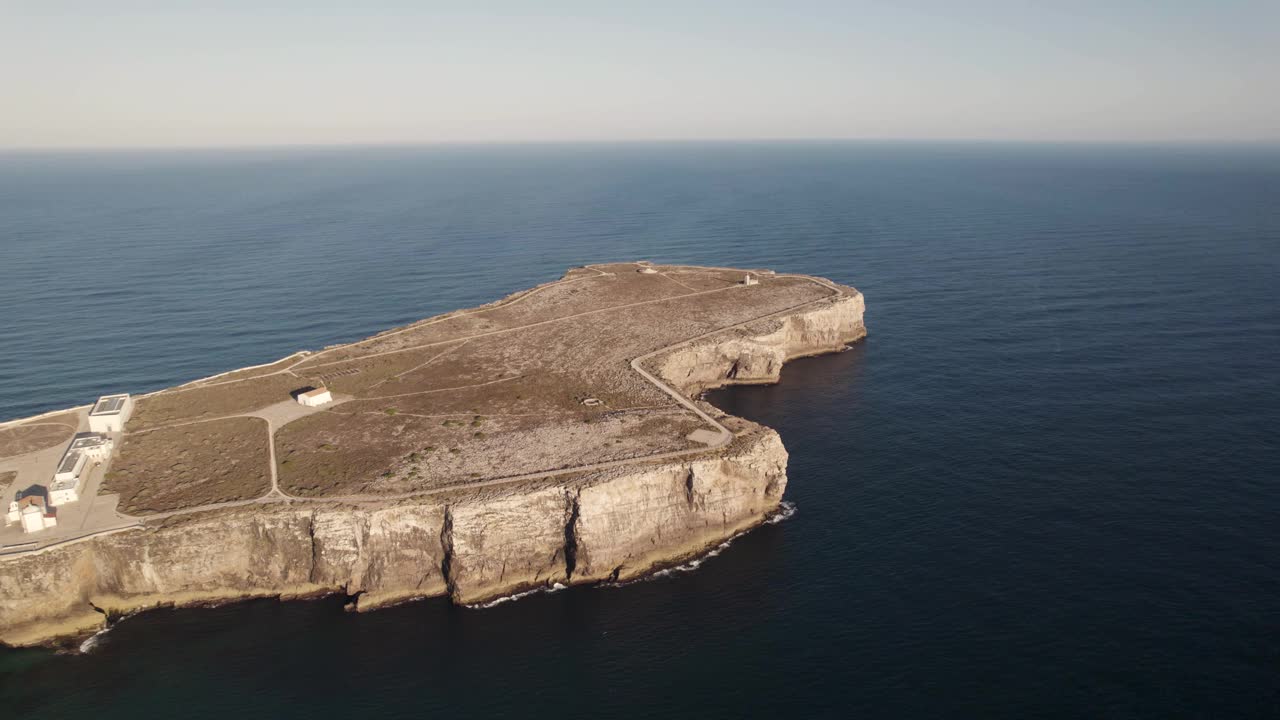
(92, 641)
(555, 587)
(785, 510)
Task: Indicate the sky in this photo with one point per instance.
(93, 73)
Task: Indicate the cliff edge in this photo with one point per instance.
(605, 518)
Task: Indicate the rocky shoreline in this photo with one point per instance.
(473, 545)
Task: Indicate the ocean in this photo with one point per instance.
(1046, 485)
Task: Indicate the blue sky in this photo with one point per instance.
(112, 74)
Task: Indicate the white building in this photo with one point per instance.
(748, 280)
(34, 515)
(72, 473)
(67, 486)
(68, 481)
(315, 397)
(110, 413)
(71, 467)
(14, 514)
(95, 446)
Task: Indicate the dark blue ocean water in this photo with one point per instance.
(1047, 485)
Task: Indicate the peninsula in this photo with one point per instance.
(554, 437)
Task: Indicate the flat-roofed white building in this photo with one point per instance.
(72, 473)
(71, 467)
(14, 515)
(95, 446)
(62, 492)
(110, 413)
(315, 397)
(69, 480)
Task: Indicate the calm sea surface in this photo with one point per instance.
(1047, 485)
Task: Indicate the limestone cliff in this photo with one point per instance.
(755, 353)
(473, 545)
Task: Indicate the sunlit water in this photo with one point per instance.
(1044, 486)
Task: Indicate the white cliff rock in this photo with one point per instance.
(473, 545)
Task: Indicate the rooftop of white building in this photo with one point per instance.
(109, 404)
(88, 440)
(69, 461)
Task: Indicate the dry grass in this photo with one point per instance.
(588, 293)
(410, 427)
(180, 467)
(370, 452)
(33, 436)
(211, 401)
(245, 374)
(706, 279)
(464, 397)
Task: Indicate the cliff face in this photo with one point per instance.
(756, 353)
(472, 545)
(643, 519)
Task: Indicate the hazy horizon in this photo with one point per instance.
(1267, 144)
(152, 75)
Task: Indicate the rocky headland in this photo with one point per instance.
(587, 520)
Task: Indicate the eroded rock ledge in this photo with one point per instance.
(472, 545)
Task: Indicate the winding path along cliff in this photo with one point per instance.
(553, 437)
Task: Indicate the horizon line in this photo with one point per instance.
(393, 144)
